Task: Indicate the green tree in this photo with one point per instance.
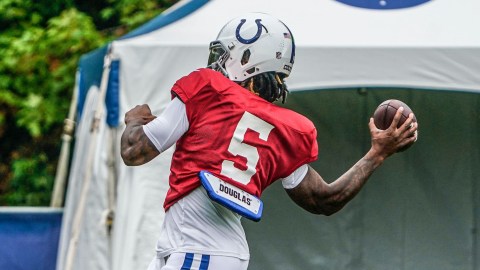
(40, 45)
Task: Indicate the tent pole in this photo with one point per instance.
(78, 218)
(62, 166)
(111, 189)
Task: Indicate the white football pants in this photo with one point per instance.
(195, 261)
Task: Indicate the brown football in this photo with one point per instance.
(383, 115)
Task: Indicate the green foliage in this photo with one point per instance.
(37, 70)
(36, 73)
(20, 14)
(41, 42)
(32, 182)
(134, 12)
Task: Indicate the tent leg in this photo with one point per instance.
(78, 218)
(62, 166)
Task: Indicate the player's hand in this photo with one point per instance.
(393, 139)
(140, 114)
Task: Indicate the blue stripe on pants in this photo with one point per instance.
(187, 264)
(205, 262)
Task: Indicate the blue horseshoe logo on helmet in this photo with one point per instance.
(257, 35)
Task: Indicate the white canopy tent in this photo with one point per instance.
(431, 46)
(434, 46)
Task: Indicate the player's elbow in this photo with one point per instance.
(329, 210)
(128, 157)
(324, 211)
(326, 208)
(319, 204)
(136, 156)
(321, 209)
(128, 161)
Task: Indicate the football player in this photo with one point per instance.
(232, 142)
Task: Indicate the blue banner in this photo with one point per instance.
(383, 4)
(29, 238)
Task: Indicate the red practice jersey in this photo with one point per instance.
(237, 136)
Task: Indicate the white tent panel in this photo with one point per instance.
(438, 23)
(141, 192)
(430, 46)
(93, 241)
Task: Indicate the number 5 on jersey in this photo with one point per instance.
(239, 148)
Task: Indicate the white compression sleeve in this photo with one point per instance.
(295, 178)
(167, 128)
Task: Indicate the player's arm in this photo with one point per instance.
(146, 136)
(136, 147)
(319, 197)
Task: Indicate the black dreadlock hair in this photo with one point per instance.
(268, 85)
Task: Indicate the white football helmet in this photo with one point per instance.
(252, 44)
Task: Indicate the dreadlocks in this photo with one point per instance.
(269, 86)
